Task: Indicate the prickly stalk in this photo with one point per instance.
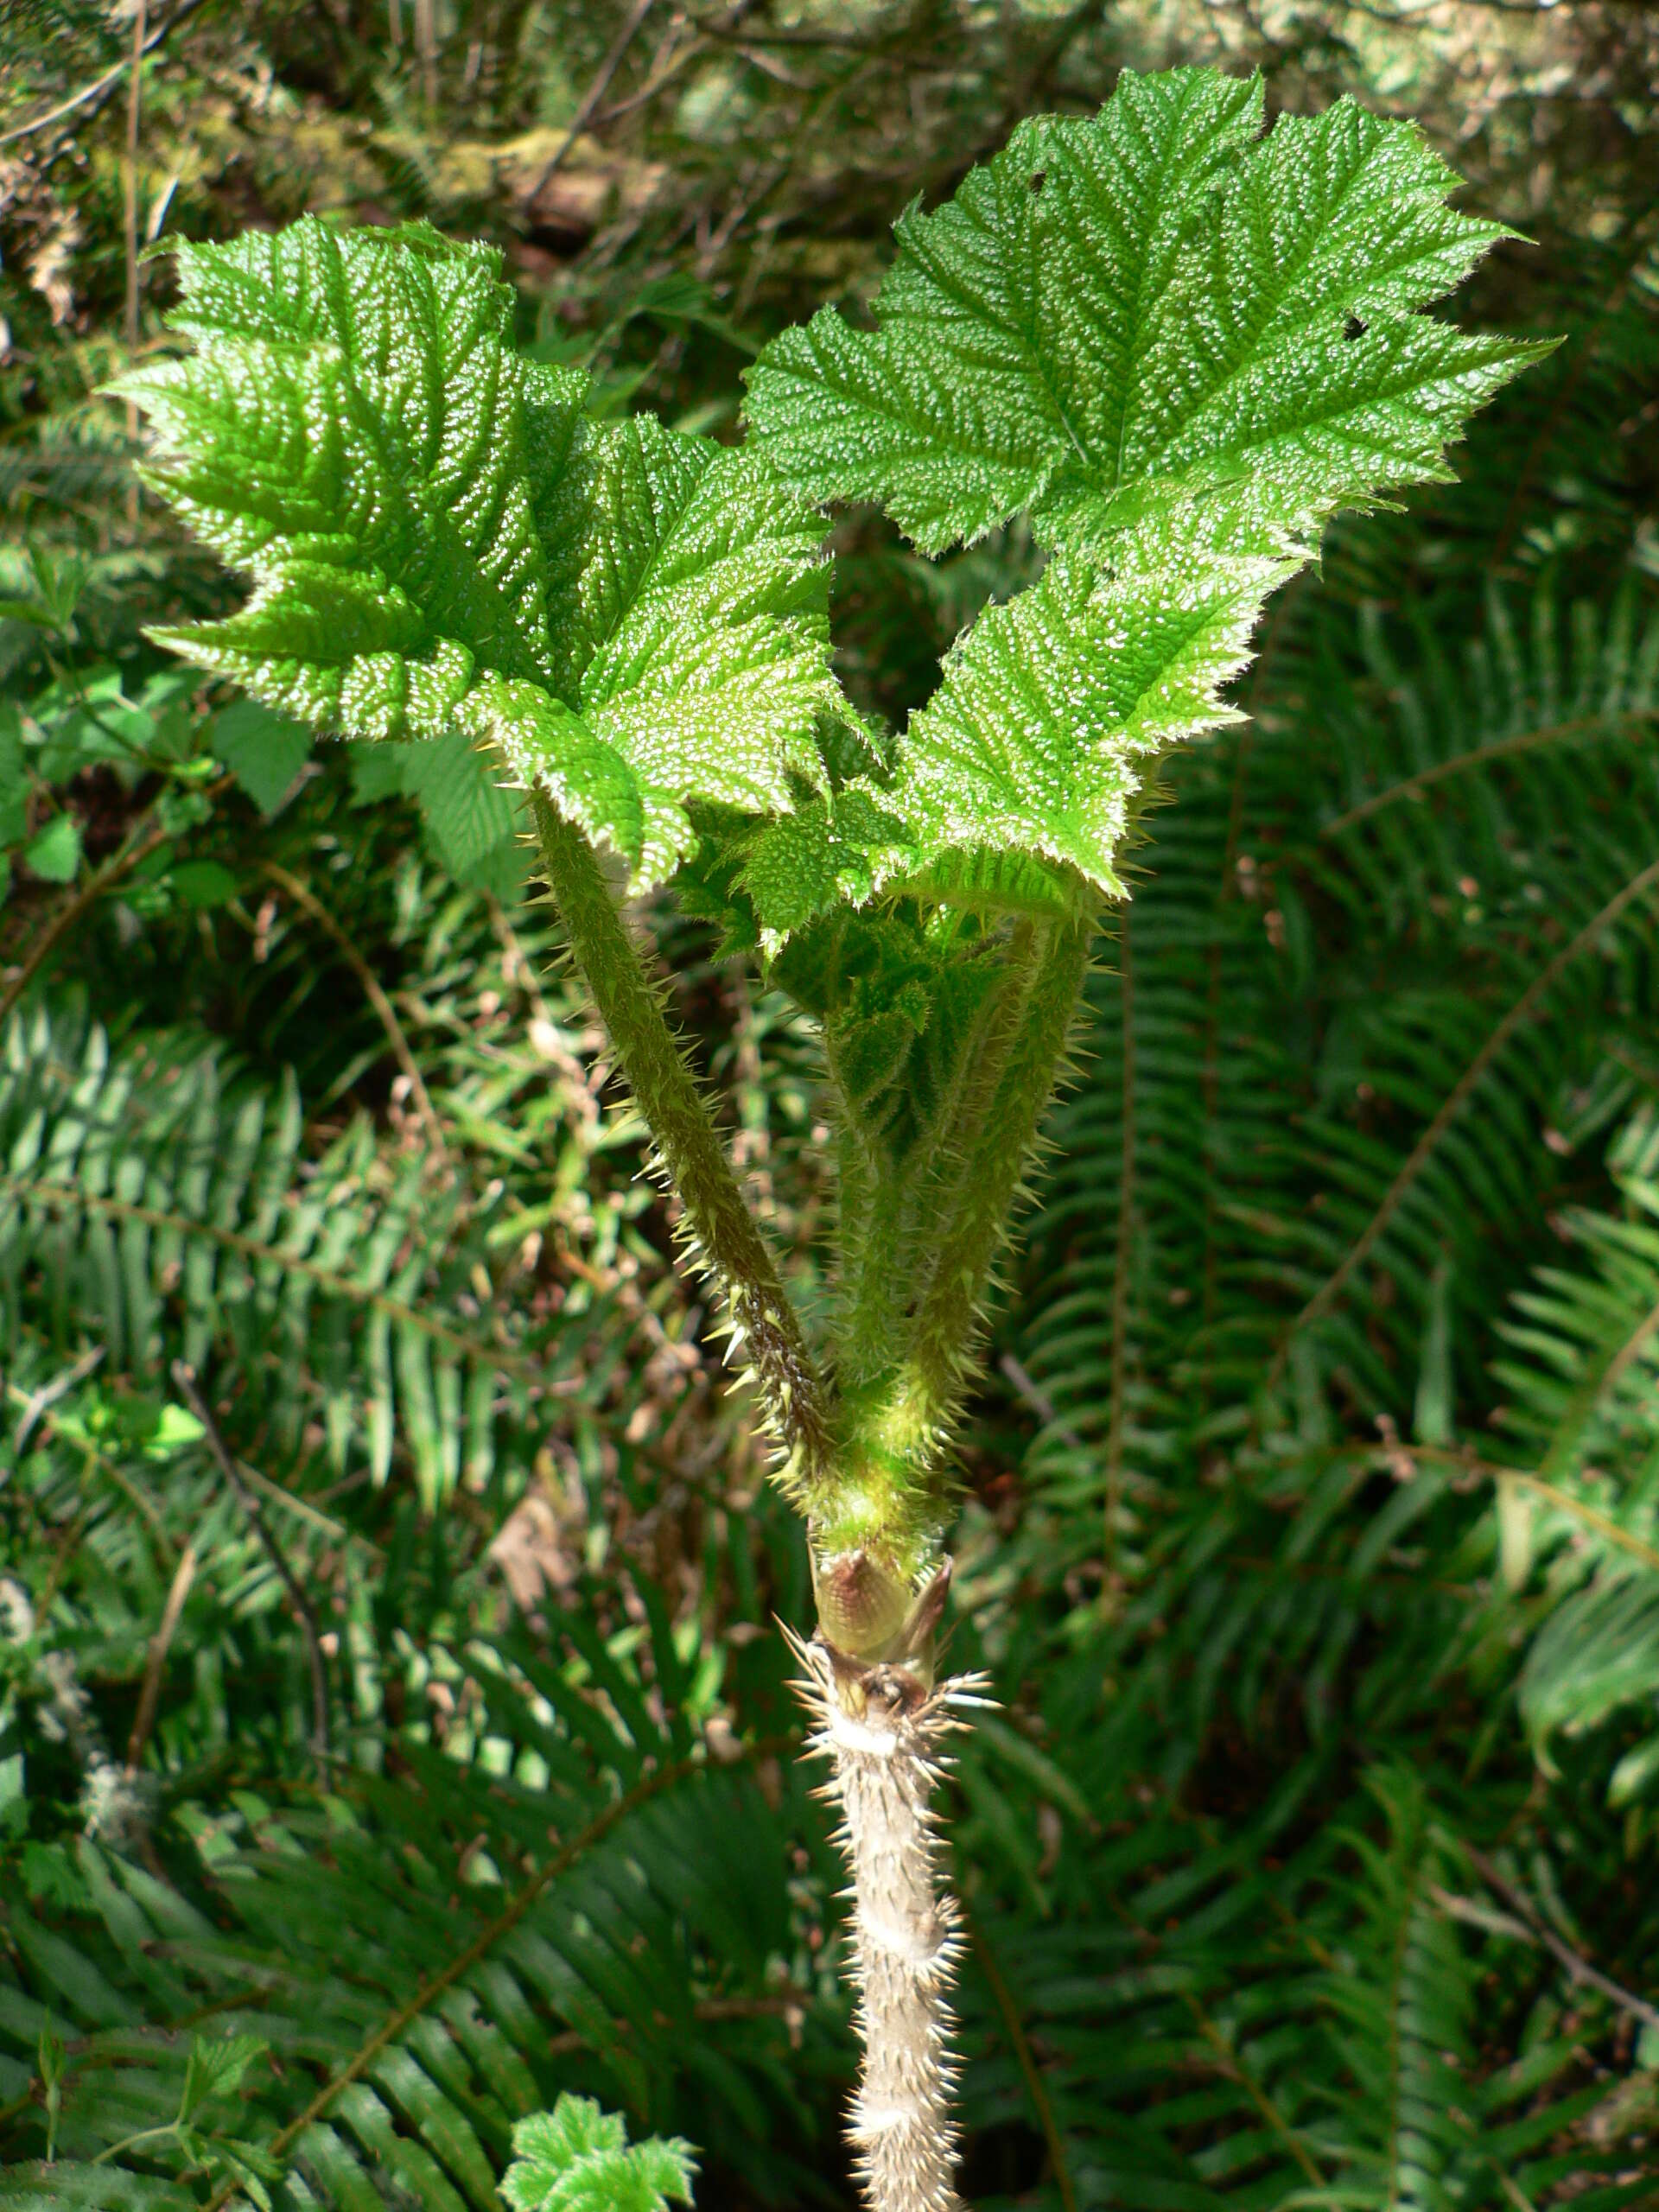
(885, 1730)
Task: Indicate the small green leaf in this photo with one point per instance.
(172, 1428)
(576, 2158)
(467, 814)
(202, 884)
(471, 822)
(54, 853)
(215, 2069)
(59, 578)
(264, 750)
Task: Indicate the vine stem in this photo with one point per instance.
(764, 1323)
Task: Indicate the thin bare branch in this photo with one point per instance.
(130, 225)
(1577, 1967)
(97, 91)
(184, 1575)
(588, 103)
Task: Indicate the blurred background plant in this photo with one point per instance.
(392, 1735)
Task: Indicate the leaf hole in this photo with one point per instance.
(1039, 179)
(1353, 329)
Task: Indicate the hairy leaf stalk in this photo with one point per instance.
(763, 1321)
(892, 1505)
(884, 1732)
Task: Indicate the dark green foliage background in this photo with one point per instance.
(1311, 1528)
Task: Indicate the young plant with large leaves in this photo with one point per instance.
(1175, 346)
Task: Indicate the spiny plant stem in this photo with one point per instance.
(885, 1735)
(996, 1164)
(764, 1324)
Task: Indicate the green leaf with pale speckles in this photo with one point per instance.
(439, 538)
(1180, 347)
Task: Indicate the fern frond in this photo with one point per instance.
(150, 1191)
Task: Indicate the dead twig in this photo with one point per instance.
(587, 106)
(1533, 1924)
(185, 1376)
(149, 1695)
(129, 179)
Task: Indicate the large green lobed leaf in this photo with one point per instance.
(439, 538)
(1179, 347)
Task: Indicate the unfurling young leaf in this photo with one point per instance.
(215, 2069)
